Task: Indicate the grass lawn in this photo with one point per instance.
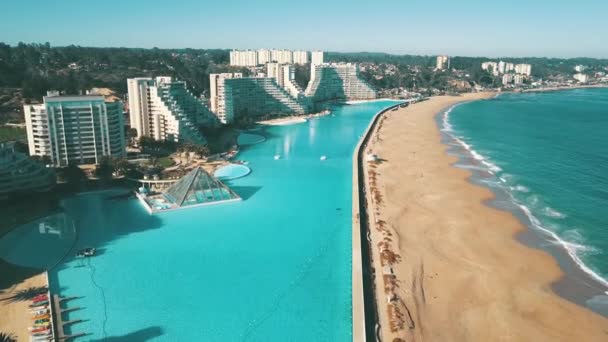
(11, 133)
(165, 162)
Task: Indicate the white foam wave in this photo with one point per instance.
(574, 249)
(520, 188)
(548, 211)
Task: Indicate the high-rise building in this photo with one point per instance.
(519, 79)
(580, 68)
(523, 69)
(263, 56)
(284, 75)
(257, 96)
(582, 78)
(281, 56)
(244, 57)
(75, 129)
(501, 67)
(490, 66)
(316, 57)
(217, 94)
(300, 57)
(339, 81)
(164, 109)
(443, 62)
(507, 79)
(509, 67)
(20, 174)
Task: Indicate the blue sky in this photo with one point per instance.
(469, 27)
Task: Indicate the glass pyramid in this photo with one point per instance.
(198, 187)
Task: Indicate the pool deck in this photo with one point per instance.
(360, 323)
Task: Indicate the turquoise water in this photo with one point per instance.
(273, 267)
(231, 171)
(549, 153)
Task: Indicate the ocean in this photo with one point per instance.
(545, 155)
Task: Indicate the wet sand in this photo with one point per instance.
(448, 267)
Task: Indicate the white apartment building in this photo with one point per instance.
(250, 58)
(507, 79)
(75, 129)
(164, 109)
(336, 82)
(217, 94)
(523, 69)
(580, 68)
(300, 57)
(519, 79)
(443, 62)
(258, 96)
(263, 56)
(582, 78)
(244, 58)
(490, 66)
(281, 56)
(20, 174)
(285, 77)
(316, 57)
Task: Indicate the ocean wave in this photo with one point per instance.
(572, 242)
(572, 248)
(520, 188)
(548, 211)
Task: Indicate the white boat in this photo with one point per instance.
(277, 156)
(323, 157)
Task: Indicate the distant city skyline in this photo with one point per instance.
(467, 28)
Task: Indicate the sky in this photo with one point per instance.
(514, 28)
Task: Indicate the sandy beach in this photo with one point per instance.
(448, 267)
(15, 317)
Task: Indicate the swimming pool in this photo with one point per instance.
(275, 266)
(231, 171)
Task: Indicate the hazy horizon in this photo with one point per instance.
(552, 29)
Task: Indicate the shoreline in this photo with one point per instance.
(436, 227)
(578, 282)
(558, 88)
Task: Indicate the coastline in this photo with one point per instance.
(578, 282)
(582, 86)
(450, 275)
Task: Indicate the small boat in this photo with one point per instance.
(36, 300)
(38, 304)
(39, 330)
(323, 157)
(42, 333)
(86, 252)
(39, 309)
(42, 296)
(42, 316)
(277, 156)
(42, 321)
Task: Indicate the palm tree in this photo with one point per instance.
(7, 337)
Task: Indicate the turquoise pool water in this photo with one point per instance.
(250, 139)
(231, 171)
(273, 267)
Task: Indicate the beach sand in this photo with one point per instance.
(14, 314)
(458, 274)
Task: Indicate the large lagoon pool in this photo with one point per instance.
(273, 267)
